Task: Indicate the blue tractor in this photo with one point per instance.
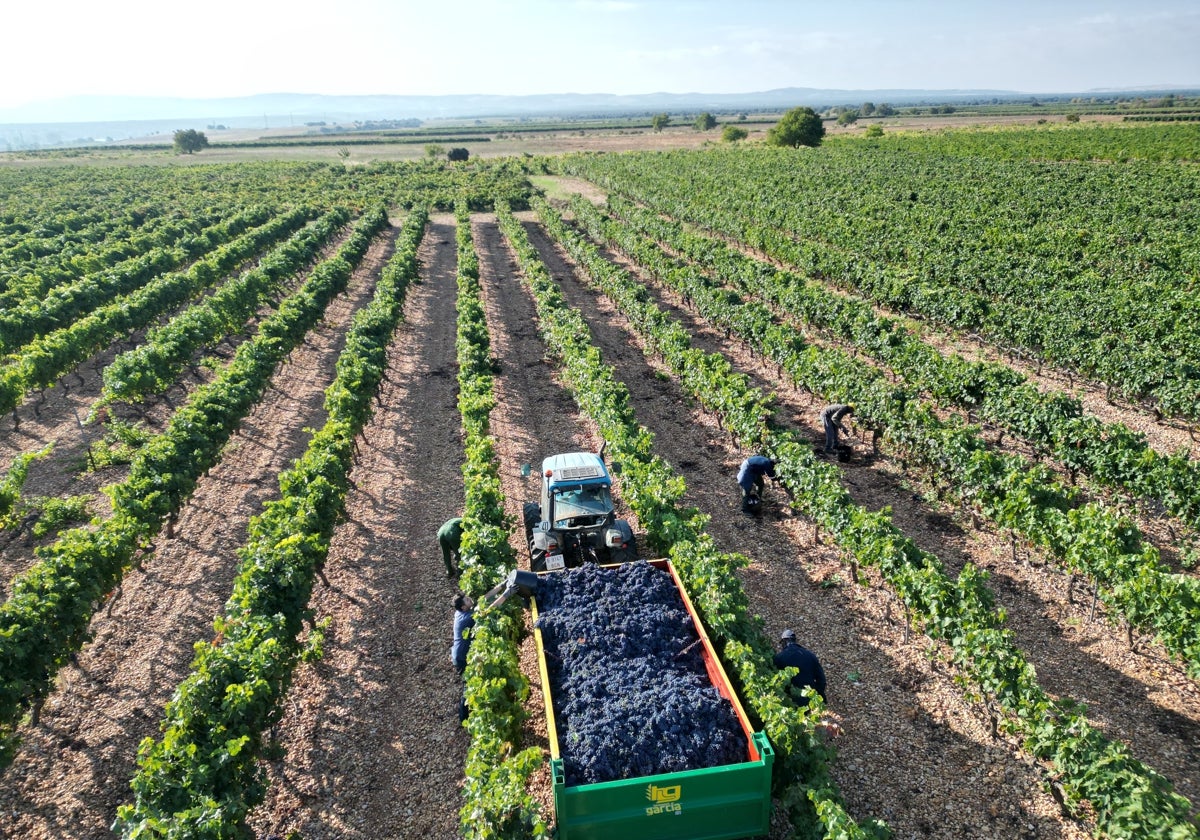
(575, 522)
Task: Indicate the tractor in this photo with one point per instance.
(575, 522)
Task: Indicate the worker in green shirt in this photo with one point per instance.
(450, 539)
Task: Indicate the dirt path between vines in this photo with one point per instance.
(74, 767)
(374, 749)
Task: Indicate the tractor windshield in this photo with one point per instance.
(581, 505)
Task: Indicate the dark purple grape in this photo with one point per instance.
(631, 694)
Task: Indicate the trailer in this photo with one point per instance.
(723, 802)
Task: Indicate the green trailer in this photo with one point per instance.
(716, 803)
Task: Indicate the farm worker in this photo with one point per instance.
(463, 622)
(831, 419)
(449, 537)
(810, 672)
(751, 473)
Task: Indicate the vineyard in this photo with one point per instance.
(237, 401)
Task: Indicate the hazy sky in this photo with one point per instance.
(211, 48)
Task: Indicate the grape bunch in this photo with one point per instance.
(631, 693)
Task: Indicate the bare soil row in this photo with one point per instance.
(373, 745)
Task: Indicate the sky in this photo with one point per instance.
(220, 48)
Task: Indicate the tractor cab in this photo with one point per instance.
(576, 491)
(575, 521)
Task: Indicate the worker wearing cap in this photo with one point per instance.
(792, 654)
(449, 537)
(831, 419)
(752, 472)
(464, 621)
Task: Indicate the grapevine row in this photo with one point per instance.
(21, 242)
(47, 614)
(654, 491)
(154, 365)
(34, 318)
(1053, 422)
(12, 482)
(496, 802)
(123, 239)
(202, 777)
(1083, 265)
(44, 360)
(66, 237)
(1101, 142)
(1025, 498)
(1128, 799)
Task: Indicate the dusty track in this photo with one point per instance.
(73, 769)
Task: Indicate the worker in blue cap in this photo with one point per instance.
(810, 673)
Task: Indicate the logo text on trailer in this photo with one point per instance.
(665, 799)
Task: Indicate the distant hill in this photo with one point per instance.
(305, 107)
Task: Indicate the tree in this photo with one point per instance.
(883, 109)
(188, 141)
(733, 133)
(659, 121)
(434, 150)
(867, 109)
(875, 130)
(798, 127)
(847, 117)
(705, 122)
(457, 153)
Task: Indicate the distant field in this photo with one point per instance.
(502, 140)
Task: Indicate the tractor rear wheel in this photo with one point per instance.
(531, 513)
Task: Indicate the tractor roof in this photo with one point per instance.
(574, 466)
